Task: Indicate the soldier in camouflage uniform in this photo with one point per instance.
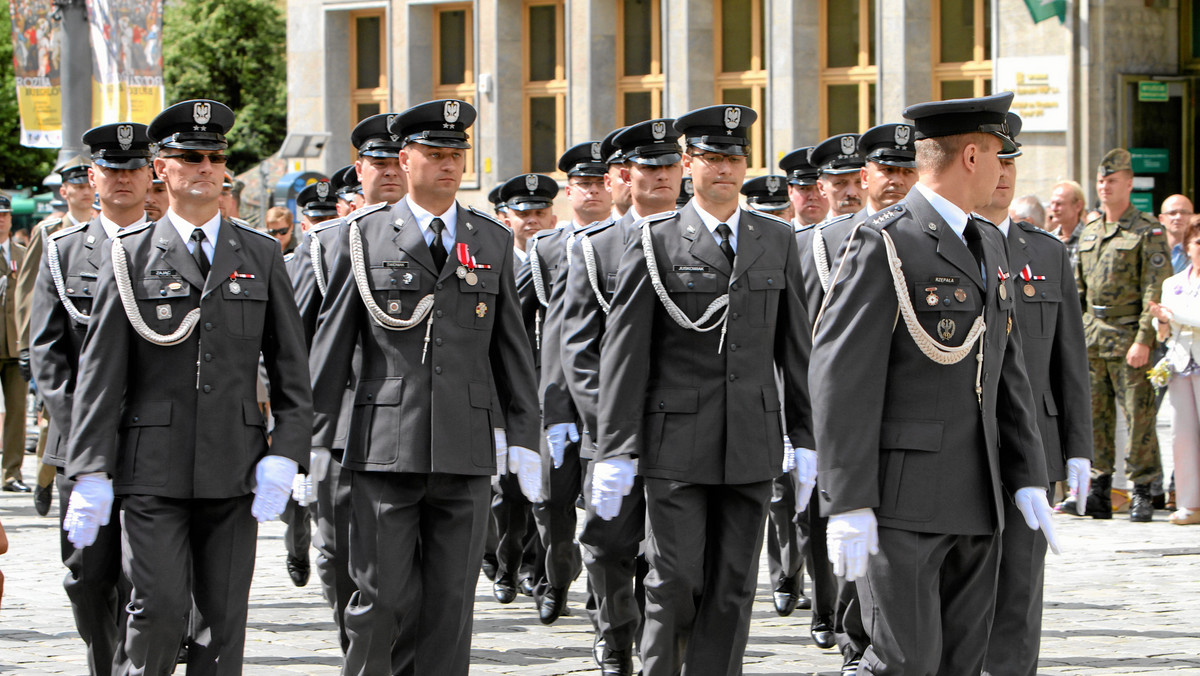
(1123, 260)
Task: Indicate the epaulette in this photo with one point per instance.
(67, 231)
(657, 218)
(549, 232)
(804, 228)
(1033, 229)
(332, 223)
(883, 217)
(250, 228)
(287, 257)
(598, 226)
(836, 219)
(769, 218)
(140, 228)
(238, 221)
(486, 217)
(363, 211)
(1099, 218)
(48, 223)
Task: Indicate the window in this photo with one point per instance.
(639, 61)
(962, 50)
(545, 85)
(741, 62)
(1189, 34)
(368, 66)
(847, 66)
(454, 62)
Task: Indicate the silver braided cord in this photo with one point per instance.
(570, 244)
(358, 263)
(589, 262)
(314, 255)
(673, 311)
(59, 285)
(125, 289)
(821, 257)
(535, 266)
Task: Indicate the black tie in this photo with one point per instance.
(726, 247)
(974, 240)
(198, 251)
(436, 248)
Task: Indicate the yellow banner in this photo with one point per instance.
(37, 50)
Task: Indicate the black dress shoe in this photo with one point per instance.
(785, 602)
(804, 603)
(1142, 509)
(616, 663)
(503, 589)
(526, 586)
(850, 663)
(553, 605)
(16, 486)
(489, 566)
(41, 499)
(298, 569)
(822, 633)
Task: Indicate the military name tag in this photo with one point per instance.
(163, 311)
(946, 329)
(164, 273)
(945, 280)
(691, 268)
(395, 264)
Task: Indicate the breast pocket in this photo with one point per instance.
(1040, 301)
(763, 300)
(946, 311)
(80, 289)
(477, 302)
(692, 291)
(163, 301)
(245, 307)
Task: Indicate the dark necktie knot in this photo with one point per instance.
(436, 248)
(725, 232)
(198, 251)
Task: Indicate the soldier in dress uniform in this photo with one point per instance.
(913, 463)
(839, 163)
(612, 180)
(348, 189)
(78, 194)
(426, 289)
(768, 194)
(685, 192)
(707, 311)
(1123, 260)
(588, 199)
(156, 197)
(1047, 310)
(808, 203)
(62, 302)
(169, 369)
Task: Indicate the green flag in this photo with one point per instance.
(1041, 10)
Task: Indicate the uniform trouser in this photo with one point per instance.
(816, 554)
(785, 558)
(16, 390)
(415, 546)
(175, 551)
(519, 550)
(1185, 399)
(555, 519)
(703, 547)
(332, 541)
(298, 536)
(1115, 383)
(1016, 635)
(610, 550)
(927, 602)
(95, 586)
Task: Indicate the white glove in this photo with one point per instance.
(501, 440)
(527, 465)
(789, 455)
(612, 479)
(851, 537)
(89, 508)
(318, 463)
(806, 475)
(273, 476)
(556, 437)
(1034, 506)
(304, 489)
(1079, 481)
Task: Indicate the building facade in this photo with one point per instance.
(546, 74)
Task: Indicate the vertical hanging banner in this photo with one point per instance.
(127, 81)
(36, 57)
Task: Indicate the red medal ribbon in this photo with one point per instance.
(239, 275)
(1026, 274)
(1003, 275)
(465, 258)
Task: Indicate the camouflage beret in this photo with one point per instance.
(1117, 159)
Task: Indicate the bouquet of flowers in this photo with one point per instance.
(1161, 374)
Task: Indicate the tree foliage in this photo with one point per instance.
(19, 166)
(232, 51)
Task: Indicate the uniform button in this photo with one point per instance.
(1043, 294)
(207, 356)
(208, 326)
(437, 341)
(85, 289)
(825, 496)
(691, 285)
(135, 418)
(734, 316)
(732, 347)
(770, 281)
(162, 292)
(733, 287)
(370, 397)
(438, 313)
(246, 292)
(438, 287)
(483, 284)
(945, 301)
(207, 388)
(661, 404)
(437, 370)
(393, 282)
(732, 377)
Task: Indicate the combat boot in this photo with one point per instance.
(1099, 500)
(1142, 509)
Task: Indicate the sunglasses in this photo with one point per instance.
(197, 158)
(279, 231)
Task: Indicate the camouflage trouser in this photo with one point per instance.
(1115, 383)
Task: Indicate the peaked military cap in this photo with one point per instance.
(73, 169)
(124, 145)
(198, 124)
(837, 155)
(686, 190)
(766, 193)
(5, 205)
(353, 186)
(528, 191)
(372, 138)
(653, 142)
(1014, 129)
(337, 182)
(718, 129)
(797, 167)
(986, 114)
(318, 199)
(442, 124)
(584, 159)
(609, 150)
(498, 204)
(890, 145)
(1117, 159)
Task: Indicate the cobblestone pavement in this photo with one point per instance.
(1122, 600)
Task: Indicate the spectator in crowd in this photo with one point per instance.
(1175, 215)
(1178, 320)
(1064, 216)
(1028, 208)
(279, 225)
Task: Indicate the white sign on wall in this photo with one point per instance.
(1040, 87)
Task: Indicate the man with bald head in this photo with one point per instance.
(1175, 215)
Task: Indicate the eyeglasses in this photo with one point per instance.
(718, 158)
(197, 158)
(279, 231)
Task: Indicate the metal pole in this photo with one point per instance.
(76, 73)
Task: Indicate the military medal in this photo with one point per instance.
(471, 278)
(1010, 324)
(467, 267)
(1003, 291)
(960, 295)
(1027, 275)
(946, 329)
(481, 310)
(234, 287)
(175, 286)
(461, 272)
(1029, 290)
(932, 298)
(163, 311)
